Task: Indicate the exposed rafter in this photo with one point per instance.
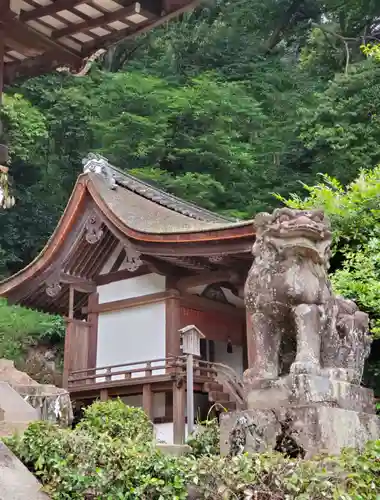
(40, 38)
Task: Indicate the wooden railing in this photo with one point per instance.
(137, 372)
(228, 378)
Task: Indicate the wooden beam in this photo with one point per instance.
(203, 304)
(109, 17)
(119, 305)
(207, 278)
(124, 274)
(28, 37)
(161, 267)
(80, 284)
(175, 9)
(5, 10)
(52, 8)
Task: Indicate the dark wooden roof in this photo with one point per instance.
(42, 35)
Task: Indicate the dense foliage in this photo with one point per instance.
(94, 463)
(354, 212)
(20, 328)
(224, 106)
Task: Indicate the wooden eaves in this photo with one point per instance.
(38, 36)
(166, 234)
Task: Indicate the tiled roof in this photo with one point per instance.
(146, 208)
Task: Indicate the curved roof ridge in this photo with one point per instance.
(151, 192)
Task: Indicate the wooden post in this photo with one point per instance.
(190, 393)
(69, 328)
(66, 355)
(93, 318)
(103, 394)
(148, 400)
(3, 145)
(71, 301)
(178, 412)
(173, 343)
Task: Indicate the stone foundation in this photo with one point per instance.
(309, 429)
(301, 415)
(300, 389)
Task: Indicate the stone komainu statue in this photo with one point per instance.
(288, 293)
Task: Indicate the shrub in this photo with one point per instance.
(118, 421)
(21, 327)
(205, 441)
(103, 459)
(110, 454)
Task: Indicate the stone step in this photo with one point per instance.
(218, 396)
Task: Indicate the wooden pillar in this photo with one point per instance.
(66, 355)
(3, 145)
(93, 318)
(103, 394)
(148, 400)
(2, 54)
(173, 341)
(71, 301)
(179, 398)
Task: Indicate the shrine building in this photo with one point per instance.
(128, 266)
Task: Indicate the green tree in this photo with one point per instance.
(355, 216)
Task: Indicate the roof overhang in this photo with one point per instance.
(42, 35)
(90, 230)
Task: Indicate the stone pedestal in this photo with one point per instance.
(301, 415)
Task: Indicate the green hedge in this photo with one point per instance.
(111, 456)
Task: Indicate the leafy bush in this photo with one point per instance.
(104, 458)
(205, 440)
(117, 420)
(271, 476)
(355, 216)
(110, 454)
(21, 327)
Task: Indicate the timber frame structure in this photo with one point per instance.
(38, 36)
(117, 229)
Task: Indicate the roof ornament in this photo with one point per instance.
(94, 231)
(53, 285)
(132, 257)
(97, 164)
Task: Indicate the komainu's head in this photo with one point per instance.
(303, 232)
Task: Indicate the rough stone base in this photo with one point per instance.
(301, 390)
(314, 429)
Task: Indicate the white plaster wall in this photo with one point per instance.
(158, 403)
(132, 335)
(234, 359)
(164, 432)
(132, 287)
